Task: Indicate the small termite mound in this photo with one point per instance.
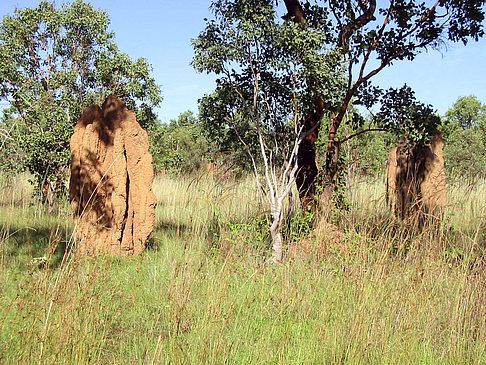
(416, 181)
(111, 181)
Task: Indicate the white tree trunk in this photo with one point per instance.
(277, 248)
(276, 228)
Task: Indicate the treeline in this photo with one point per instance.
(186, 144)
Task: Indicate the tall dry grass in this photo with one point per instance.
(191, 203)
(361, 289)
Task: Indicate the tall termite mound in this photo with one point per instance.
(415, 180)
(111, 181)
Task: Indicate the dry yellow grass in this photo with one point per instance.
(362, 290)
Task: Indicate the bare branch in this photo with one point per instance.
(356, 23)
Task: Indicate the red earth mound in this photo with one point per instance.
(111, 181)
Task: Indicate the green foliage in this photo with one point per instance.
(299, 227)
(365, 151)
(371, 36)
(253, 233)
(467, 112)
(385, 31)
(224, 134)
(464, 130)
(54, 62)
(248, 36)
(410, 120)
(180, 146)
(10, 154)
(369, 152)
(264, 66)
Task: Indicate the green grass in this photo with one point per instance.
(362, 290)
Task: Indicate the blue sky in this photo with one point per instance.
(160, 31)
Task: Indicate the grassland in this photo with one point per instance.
(361, 289)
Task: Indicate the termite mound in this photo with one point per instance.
(416, 181)
(111, 181)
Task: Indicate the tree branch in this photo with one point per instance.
(361, 132)
(355, 24)
(375, 42)
(294, 10)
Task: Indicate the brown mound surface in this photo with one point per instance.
(111, 181)
(416, 180)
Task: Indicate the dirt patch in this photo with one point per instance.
(111, 181)
(415, 181)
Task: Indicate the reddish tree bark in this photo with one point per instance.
(307, 173)
(294, 10)
(306, 156)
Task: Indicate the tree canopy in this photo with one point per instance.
(467, 112)
(53, 63)
(265, 69)
(247, 43)
(362, 37)
(464, 129)
(181, 146)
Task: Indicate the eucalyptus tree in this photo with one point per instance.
(370, 36)
(53, 63)
(466, 113)
(364, 36)
(264, 67)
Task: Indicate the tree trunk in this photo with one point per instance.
(276, 230)
(277, 248)
(329, 177)
(294, 11)
(306, 159)
(307, 173)
(306, 156)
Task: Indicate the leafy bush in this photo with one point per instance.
(464, 130)
(180, 146)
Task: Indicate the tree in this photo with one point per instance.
(264, 66)
(370, 38)
(467, 112)
(181, 146)
(366, 154)
(54, 62)
(464, 130)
